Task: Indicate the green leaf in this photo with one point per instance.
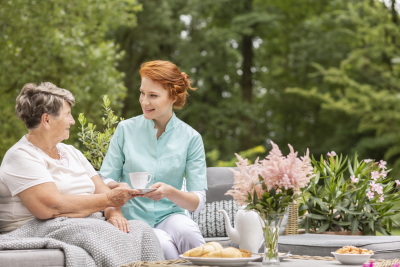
(303, 207)
(341, 223)
(354, 226)
(323, 228)
(322, 204)
(317, 217)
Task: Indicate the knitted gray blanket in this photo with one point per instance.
(89, 241)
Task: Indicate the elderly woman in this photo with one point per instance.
(44, 178)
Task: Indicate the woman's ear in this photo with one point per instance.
(45, 120)
(174, 99)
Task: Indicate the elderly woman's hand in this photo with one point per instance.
(120, 195)
(123, 185)
(120, 222)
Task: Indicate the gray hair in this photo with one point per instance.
(35, 100)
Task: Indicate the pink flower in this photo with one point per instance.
(383, 174)
(379, 189)
(276, 172)
(372, 184)
(397, 182)
(367, 160)
(381, 198)
(382, 164)
(370, 194)
(332, 154)
(288, 172)
(354, 179)
(375, 175)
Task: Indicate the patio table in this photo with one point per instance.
(297, 263)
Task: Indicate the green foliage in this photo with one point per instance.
(252, 153)
(96, 142)
(335, 202)
(322, 75)
(273, 205)
(63, 42)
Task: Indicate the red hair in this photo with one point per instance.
(170, 77)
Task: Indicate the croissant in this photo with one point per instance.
(202, 250)
(245, 253)
(224, 253)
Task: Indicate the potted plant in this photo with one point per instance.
(97, 142)
(349, 195)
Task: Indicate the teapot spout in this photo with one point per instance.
(233, 234)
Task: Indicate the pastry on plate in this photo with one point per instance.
(202, 250)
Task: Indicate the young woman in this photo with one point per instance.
(161, 144)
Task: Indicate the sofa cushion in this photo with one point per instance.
(217, 193)
(32, 258)
(384, 247)
(220, 175)
(211, 222)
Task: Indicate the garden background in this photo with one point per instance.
(318, 74)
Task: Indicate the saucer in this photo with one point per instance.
(145, 190)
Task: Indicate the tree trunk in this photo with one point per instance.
(247, 53)
(394, 18)
(247, 82)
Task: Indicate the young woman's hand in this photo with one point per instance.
(120, 222)
(162, 191)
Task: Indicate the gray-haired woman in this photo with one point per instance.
(44, 178)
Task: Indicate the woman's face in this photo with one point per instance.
(61, 124)
(155, 100)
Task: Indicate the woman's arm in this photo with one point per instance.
(112, 214)
(44, 201)
(186, 200)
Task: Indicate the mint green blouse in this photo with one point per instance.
(177, 153)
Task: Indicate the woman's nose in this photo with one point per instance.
(72, 122)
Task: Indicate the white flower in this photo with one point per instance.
(375, 175)
(354, 179)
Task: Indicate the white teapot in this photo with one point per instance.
(248, 233)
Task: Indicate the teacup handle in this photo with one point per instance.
(148, 180)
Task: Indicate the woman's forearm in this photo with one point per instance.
(75, 206)
(44, 201)
(112, 211)
(186, 200)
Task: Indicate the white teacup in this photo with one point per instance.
(139, 180)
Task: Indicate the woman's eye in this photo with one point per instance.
(153, 95)
(141, 93)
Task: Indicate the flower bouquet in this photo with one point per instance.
(268, 187)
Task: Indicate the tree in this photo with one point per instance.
(62, 42)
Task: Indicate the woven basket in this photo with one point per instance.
(292, 224)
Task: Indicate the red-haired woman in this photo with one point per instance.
(161, 144)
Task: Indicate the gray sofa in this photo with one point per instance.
(213, 228)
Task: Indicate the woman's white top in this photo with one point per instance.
(25, 166)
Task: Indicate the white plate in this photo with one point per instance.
(355, 259)
(282, 256)
(145, 190)
(221, 261)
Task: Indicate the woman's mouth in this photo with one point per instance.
(147, 110)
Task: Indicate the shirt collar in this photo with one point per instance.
(170, 124)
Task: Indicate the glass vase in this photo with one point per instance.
(271, 225)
